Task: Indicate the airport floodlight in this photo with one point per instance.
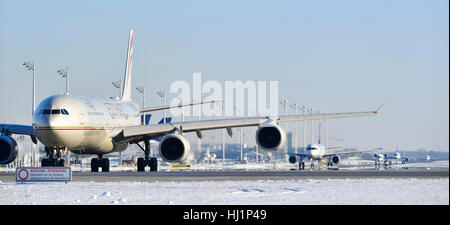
(294, 106)
(118, 85)
(29, 65)
(162, 94)
(303, 108)
(61, 72)
(141, 90)
(65, 73)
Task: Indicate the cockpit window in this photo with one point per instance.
(55, 111)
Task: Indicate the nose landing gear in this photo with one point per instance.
(54, 158)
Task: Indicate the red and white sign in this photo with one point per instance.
(39, 174)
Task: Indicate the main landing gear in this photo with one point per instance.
(152, 162)
(301, 165)
(54, 158)
(96, 163)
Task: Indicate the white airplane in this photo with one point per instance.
(318, 152)
(387, 160)
(100, 126)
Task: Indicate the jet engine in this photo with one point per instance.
(270, 137)
(8, 149)
(174, 148)
(292, 159)
(335, 159)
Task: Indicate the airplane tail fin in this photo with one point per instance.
(126, 89)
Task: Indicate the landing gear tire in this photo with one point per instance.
(45, 162)
(60, 162)
(100, 162)
(151, 162)
(105, 165)
(141, 165)
(94, 165)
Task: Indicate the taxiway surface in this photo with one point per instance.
(175, 176)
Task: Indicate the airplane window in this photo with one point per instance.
(65, 111)
(46, 111)
(56, 111)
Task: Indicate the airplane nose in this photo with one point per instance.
(48, 129)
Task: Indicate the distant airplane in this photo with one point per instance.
(318, 152)
(387, 160)
(99, 126)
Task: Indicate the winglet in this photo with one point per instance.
(380, 107)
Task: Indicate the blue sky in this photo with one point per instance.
(331, 55)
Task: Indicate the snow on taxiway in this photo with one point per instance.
(267, 192)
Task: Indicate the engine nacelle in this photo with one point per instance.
(292, 159)
(174, 148)
(8, 149)
(335, 159)
(270, 137)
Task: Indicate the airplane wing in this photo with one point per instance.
(300, 154)
(158, 108)
(352, 152)
(7, 129)
(134, 134)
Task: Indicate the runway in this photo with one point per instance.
(186, 176)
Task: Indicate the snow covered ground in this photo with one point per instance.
(267, 192)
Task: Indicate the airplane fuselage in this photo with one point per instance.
(82, 124)
(316, 151)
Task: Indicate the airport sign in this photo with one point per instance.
(42, 174)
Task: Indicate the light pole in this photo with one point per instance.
(223, 132)
(294, 106)
(303, 108)
(65, 73)
(326, 135)
(320, 125)
(118, 85)
(311, 110)
(240, 136)
(162, 94)
(141, 90)
(284, 103)
(32, 66)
